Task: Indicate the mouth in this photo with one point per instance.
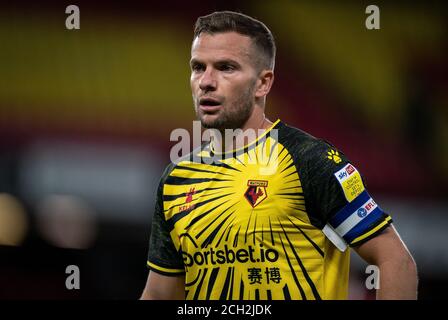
(209, 104)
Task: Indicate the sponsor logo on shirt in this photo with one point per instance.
(356, 217)
(362, 212)
(256, 192)
(226, 255)
(188, 199)
(350, 181)
(334, 155)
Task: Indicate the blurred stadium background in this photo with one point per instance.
(85, 119)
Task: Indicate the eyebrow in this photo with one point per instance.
(223, 61)
(193, 61)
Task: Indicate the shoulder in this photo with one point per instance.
(194, 156)
(308, 147)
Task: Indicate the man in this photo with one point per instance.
(226, 229)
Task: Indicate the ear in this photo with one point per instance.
(264, 83)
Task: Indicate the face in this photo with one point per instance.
(223, 79)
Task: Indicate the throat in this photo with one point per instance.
(234, 139)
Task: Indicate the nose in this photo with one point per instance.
(207, 82)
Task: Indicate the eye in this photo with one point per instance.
(227, 67)
(197, 67)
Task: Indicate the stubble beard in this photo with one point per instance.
(233, 118)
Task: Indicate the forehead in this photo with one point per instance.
(221, 45)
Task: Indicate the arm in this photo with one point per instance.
(169, 282)
(160, 287)
(398, 271)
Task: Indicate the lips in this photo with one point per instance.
(209, 104)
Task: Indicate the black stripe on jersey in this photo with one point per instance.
(235, 240)
(224, 232)
(284, 157)
(241, 288)
(248, 157)
(286, 292)
(302, 267)
(225, 289)
(212, 235)
(295, 187)
(202, 215)
(299, 208)
(211, 281)
(294, 194)
(257, 294)
(198, 288)
(197, 218)
(268, 292)
(240, 162)
(302, 293)
(179, 181)
(247, 229)
(189, 284)
(181, 195)
(228, 232)
(280, 153)
(299, 205)
(182, 214)
(231, 284)
(289, 174)
(224, 165)
(303, 221)
(255, 227)
(318, 249)
(272, 152)
(289, 166)
(272, 234)
(189, 237)
(199, 170)
(212, 222)
(291, 181)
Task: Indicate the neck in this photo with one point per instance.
(255, 126)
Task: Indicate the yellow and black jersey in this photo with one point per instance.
(269, 221)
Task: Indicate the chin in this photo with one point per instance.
(210, 121)
(209, 125)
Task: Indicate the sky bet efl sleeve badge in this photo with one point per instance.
(350, 181)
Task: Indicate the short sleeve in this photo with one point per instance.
(337, 199)
(163, 257)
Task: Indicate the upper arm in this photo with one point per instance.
(163, 256)
(338, 201)
(160, 287)
(166, 279)
(385, 246)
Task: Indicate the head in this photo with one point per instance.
(232, 69)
